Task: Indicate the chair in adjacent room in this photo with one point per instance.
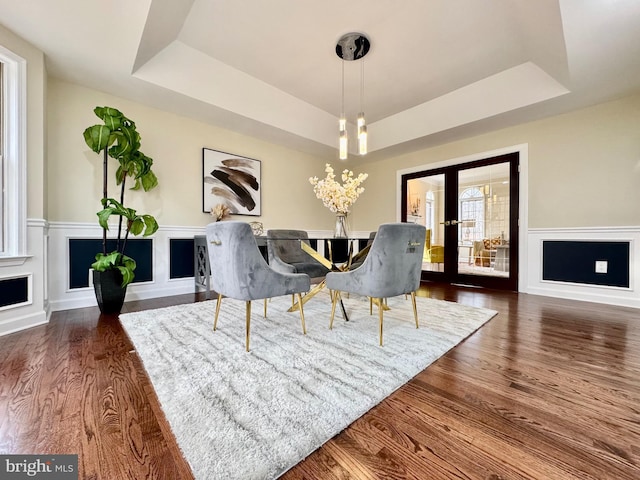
(392, 267)
(432, 253)
(484, 251)
(239, 271)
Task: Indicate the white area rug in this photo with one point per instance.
(239, 415)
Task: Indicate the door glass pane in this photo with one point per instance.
(425, 205)
(483, 216)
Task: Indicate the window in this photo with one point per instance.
(429, 214)
(471, 210)
(13, 200)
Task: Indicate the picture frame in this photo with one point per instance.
(231, 180)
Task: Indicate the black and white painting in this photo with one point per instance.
(231, 180)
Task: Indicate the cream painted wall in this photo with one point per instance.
(175, 143)
(584, 168)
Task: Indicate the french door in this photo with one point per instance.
(470, 211)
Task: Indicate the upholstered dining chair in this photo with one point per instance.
(286, 256)
(392, 267)
(359, 257)
(239, 271)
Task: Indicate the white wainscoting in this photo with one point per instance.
(62, 297)
(34, 312)
(629, 297)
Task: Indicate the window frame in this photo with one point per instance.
(14, 158)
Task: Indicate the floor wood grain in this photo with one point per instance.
(548, 389)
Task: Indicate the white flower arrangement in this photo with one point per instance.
(335, 196)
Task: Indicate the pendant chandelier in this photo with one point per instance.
(350, 47)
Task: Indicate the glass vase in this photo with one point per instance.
(341, 230)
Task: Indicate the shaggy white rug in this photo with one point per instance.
(239, 415)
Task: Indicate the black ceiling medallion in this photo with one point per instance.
(352, 46)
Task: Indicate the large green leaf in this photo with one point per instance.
(125, 264)
(151, 225)
(127, 275)
(111, 117)
(136, 226)
(121, 147)
(149, 181)
(103, 217)
(97, 137)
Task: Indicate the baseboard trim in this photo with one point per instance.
(586, 297)
(88, 298)
(21, 323)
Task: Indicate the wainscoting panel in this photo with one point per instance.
(23, 300)
(15, 291)
(82, 252)
(578, 261)
(562, 263)
(181, 264)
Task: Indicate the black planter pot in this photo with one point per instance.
(109, 293)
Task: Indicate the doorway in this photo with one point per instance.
(470, 211)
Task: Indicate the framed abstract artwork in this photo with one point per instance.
(231, 180)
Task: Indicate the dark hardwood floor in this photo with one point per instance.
(548, 389)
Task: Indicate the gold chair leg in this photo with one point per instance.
(293, 300)
(381, 314)
(415, 309)
(248, 324)
(310, 294)
(304, 328)
(370, 305)
(215, 320)
(334, 300)
(265, 308)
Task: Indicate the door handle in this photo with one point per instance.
(448, 223)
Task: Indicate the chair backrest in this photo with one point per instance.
(285, 244)
(394, 263)
(237, 265)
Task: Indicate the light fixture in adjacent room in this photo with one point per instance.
(350, 47)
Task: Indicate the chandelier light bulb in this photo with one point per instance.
(343, 143)
(362, 140)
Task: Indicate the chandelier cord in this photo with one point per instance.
(342, 112)
(361, 84)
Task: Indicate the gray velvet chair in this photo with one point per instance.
(286, 256)
(239, 271)
(392, 267)
(358, 258)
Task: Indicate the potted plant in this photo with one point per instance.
(118, 138)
